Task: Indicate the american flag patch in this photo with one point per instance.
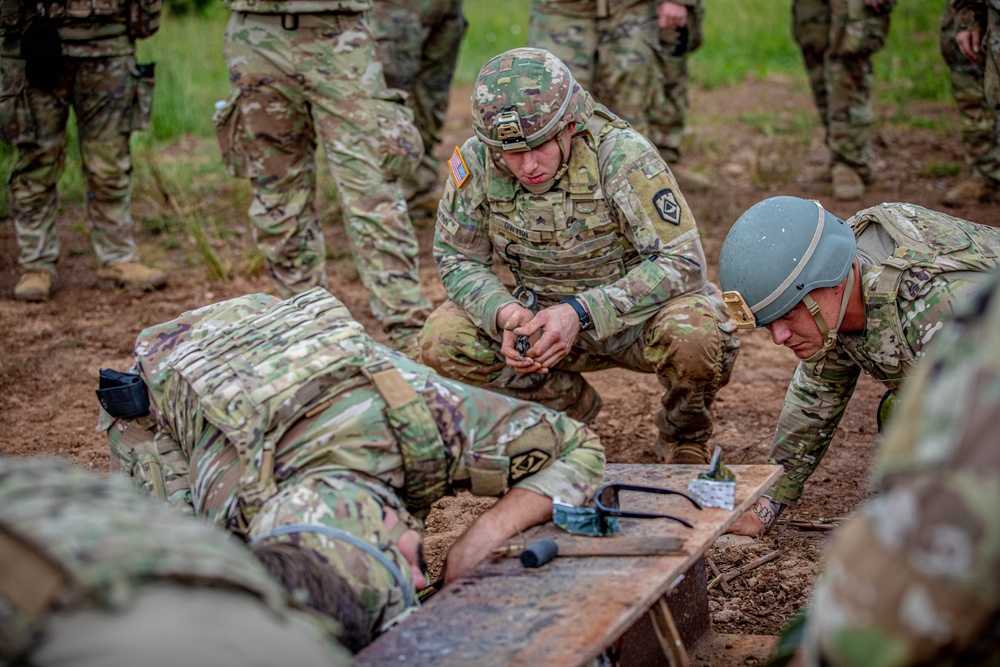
(459, 172)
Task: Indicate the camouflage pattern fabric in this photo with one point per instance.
(99, 537)
(837, 39)
(939, 261)
(616, 233)
(321, 82)
(977, 117)
(912, 580)
(623, 60)
(984, 16)
(418, 44)
(344, 435)
(99, 79)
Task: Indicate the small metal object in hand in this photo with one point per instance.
(521, 345)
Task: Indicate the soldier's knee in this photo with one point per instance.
(448, 337)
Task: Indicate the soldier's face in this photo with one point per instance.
(798, 331)
(538, 165)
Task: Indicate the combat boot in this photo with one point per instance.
(970, 191)
(691, 181)
(588, 407)
(847, 183)
(131, 275)
(682, 451)
(34, 286)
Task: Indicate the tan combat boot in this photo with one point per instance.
(682, 451)
(131, 275)
(588, 407)
(847, 183)
(970, 191)
(34, 286)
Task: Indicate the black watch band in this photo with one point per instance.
(581, 312)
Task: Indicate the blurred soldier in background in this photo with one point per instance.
(838, 39)
(865, 295)
(632, 56)
(977, 117)
(418, 43)
(609, 265)
(305, 72)
(92, 574)
(913, 579)
(284, 422)
(62, 54)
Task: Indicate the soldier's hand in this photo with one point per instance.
(968, 43)
(671, 15)
(510, 317)
(561, 326)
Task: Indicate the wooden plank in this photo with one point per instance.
(566, 612)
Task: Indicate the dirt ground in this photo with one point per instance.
(741, 136)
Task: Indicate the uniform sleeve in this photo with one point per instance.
(462, 246)
(657, 221)
(498, 443)
(152, 459)
(913, 579)
(814, 405)
(969, 15)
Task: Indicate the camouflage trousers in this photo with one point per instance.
(837, 39)
(689, 344)
(991, 79)
(418, 44)
(318, 82)
(978, 118)
(625, 62)
(103, 94)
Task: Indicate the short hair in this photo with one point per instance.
(317, 587)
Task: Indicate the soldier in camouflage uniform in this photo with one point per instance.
(606, 254)
(838, 39)
(94, 575)
(283, 420)
(58, 54)
(418, 44)
(632, 55)
(978, 119)
(868, 294)
(305, 72)
(913, 579)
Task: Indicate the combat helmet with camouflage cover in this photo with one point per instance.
(777, 252)
(525, 97)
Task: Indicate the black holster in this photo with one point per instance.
(41, 48)
(123, 395)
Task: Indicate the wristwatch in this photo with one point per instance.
(581, 312)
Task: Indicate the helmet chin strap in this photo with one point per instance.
(545, 186)
(829, 334)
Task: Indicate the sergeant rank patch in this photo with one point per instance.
(527, 463)
(456, 164)
(667, 206)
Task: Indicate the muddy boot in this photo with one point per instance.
(34, 286)
(682, 451)
(847, 183)
(588, 406)
(691, 181)
(970, 191)
(130, 275)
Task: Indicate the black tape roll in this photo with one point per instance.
(539, 553)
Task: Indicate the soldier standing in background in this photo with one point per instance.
(632, 56)
(838, 39)
(58, 54)
(863, 295)
(609, 265)
(95, 575)
(302, 72)
(978, 119)
(418, 43)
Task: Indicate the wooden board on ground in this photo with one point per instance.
(567, 612)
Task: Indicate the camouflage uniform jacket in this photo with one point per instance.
(916, 265)
(971, 14)
(594, 9)
(87, 29)
(614, 231)
(84, 541)
(298, 6)
(913, 579)
(300, 382)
